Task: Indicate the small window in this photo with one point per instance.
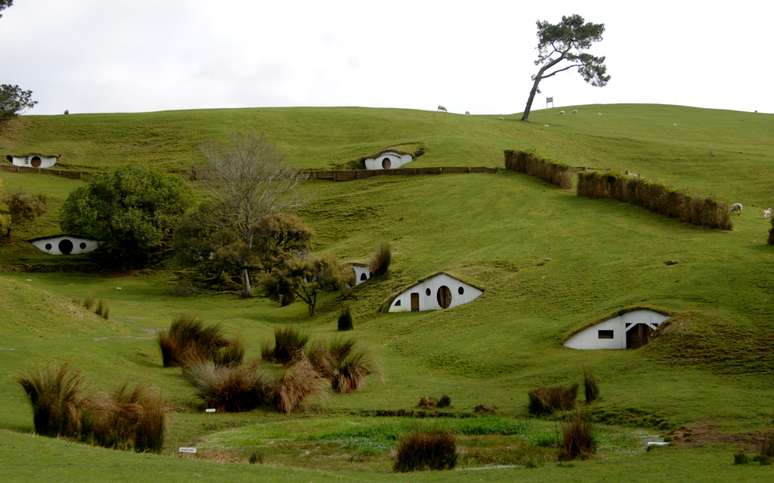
(363, 277)
(83, 245)
(48, 246)
(605, 334)
(386, 163)
(428, 292)
(461, 290)
(397, 303)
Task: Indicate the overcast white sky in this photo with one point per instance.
(143, 55)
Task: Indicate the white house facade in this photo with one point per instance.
(387, 160)
(628, 330)
(439, 291)
(33, 160)
(362, 273)
(65, 245)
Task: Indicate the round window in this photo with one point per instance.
(35, 161)
(428, 291)
(83, 247)
(444, 297)
(48, 246)
(386, 163)
(461, 290)
(66, 246)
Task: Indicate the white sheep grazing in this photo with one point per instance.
(575, 111)
(441, 109)
(737, 208)
(562, 113)
(767, 213)
(546, 125)
(632, 174)
(502, 118)
(467, 113)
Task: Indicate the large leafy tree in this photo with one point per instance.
(132, 210)
(564, 46)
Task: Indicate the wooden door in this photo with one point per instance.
(415, 302)
(638, 336)
(36, 162)
(444, 297)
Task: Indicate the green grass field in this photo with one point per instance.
(550, 263)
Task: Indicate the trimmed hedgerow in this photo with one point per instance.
(557, 174)
(655, 197)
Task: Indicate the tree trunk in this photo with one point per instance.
(532, 93)
(247, 290)
(312, 303)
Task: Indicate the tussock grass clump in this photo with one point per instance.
(298, 382)
(339, 361)
(546, 400)
(126, 418)
(433, 450)
(380, 262)
(444, 402)
(231, 389)
(345, 320)
(577, 439)
(655, 197)
(55, 394)
(89, 302)
(527, 163)
(590, 387)
(103, 309)
(289, 344)
(189, 341)
(771, 233)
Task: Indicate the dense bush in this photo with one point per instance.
(289, 344)
(55, 394)
(590, 387)
(132, 210)
(434, 450)
(546, 400)
(124, 419)
(188, 340)
(444, 402)
(527, 163)
(306, 277)
(25, 207)
(345, 320)
(577, 439)
(655, 197)
(380, 262)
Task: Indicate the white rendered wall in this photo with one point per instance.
(360, 271)
(430, 302)
(26, 161)
(396, 160)
(51, 245)
(589, 338)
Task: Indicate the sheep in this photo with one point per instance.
(441, 108)
(575, 111)
(562, 113)
(632, 174)
(467, 113)
(546, 125)
(502, 118)
(737, 208)
(767, 213)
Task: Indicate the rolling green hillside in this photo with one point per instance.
(550, 263)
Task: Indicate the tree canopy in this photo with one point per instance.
(14, 100)
(563, 46)
(5, 4)
(132, 210)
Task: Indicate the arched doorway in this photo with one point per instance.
(638, 336)
(444, 297)
(386, 163)
(35, 161)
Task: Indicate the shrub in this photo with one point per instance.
(55, 396)
(103, 310)
(351, 372)
(427, 402)
(126, 418)
(546, 400)
(346, 367)
(189, 339)
(655, 197)
(288, 344)
(527, 163)
(435, 450)
(741, 459)
(345, 319)
(380, 262)
(298, 382)
(25, 207)
(230, 389)
(444, 402)
(590, 387)
(577, 440)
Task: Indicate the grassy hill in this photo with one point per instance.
(550, 263)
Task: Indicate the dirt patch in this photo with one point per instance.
(700, 434)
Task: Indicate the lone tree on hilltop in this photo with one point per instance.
(563, 43)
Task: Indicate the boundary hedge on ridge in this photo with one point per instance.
(656, 197)
(554, 173)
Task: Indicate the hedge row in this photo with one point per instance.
(353, 174)
(527, 163)
(655, 197)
